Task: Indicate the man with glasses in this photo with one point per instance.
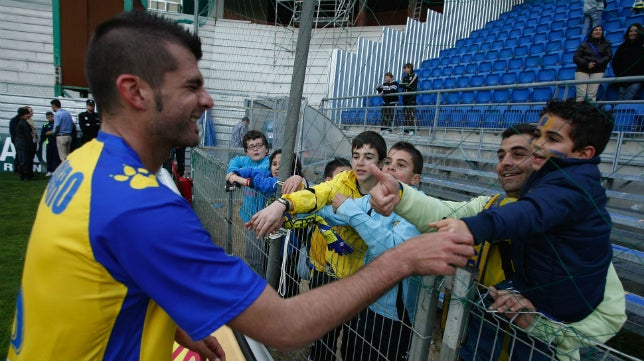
(256, 148)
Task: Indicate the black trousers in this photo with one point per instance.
(371, 336)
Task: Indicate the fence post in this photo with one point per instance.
(424, 321)
(457, 315)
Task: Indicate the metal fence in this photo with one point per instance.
(461, 298)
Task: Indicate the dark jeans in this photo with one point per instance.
(387, 120)
(53, 160)
(325, 348)
(26, 160)
(409, 112)
(371, 336)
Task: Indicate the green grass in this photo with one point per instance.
(18, 203)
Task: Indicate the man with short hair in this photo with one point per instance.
(48, 137)
(118, 265)
(63, 128)
(23, 141)
(239, 130)
(89, 121)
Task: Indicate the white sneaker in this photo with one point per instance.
(48, 174)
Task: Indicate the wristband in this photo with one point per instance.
(247, 182)
(400, 191)
(285, 203)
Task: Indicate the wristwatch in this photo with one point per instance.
(285, 203)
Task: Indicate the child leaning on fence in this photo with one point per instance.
(559, 226)
(266, 182)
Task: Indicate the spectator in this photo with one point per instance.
(24, 143)
(629, 61)
(34, 130)
(64, 128)
(638, 6)
(593, 12)
(89, 121)
(410, 84)
(132, 258)
(13, 124)
(48, 137)
(592, 58)
(266, 181)
(389, 93)
(256, 157)
(239, 130)
(382, 331)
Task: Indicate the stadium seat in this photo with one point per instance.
(527, 76)
(485, 46)
(485, 67)
(520, 95)
(468, 97)
(515, 64)
(497, 45)
(540, 38)
(375, 102)
(469, 41)
(473, 48)
(511, 117)
(502, 36)
(556, 35)
(550, 60)
(436, 72)
(500, 65)
(567, 73)
(501, 96)
(573, 32)
(624, 116)
(505, 53)
(479, 57)
(493, 117)
(424, 84)
(483, 96)
(528, 31)
(438, 83)
(565, 92)
(424, 72)
(561, 8)
(511, 43)
(452, 98)
(546, 75)
(558, 25)
(554, 46)
(525, 41)
(463, 82)
(541, 94)
(449, 83)
(521, 51)
(491, 55)
(456, 59)
(427, 99)
(559, 16)
(473, 117)
(477, 80)
(537, 49)
(492, 79)
(567, 58)
(532, 62)
(466, 58)
(471, 69)
(445, 61)
(615, 37)
(447, 71)
(508, 78)
(545, 19)
(531, 22)
(613, 25)
(571, 44)
(458, 70)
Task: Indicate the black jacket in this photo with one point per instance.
(629, 58)
(601, 55)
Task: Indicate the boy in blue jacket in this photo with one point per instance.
(560, 227)
(256, 148)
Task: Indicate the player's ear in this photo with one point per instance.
(586, 153)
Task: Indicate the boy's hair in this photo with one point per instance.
(297, 165)
(522, 128)
(334, 164)
(23, 111)
(389, 74)
(252, 135)
(373, 139)
(134, 42)
(590, 126)
(416, 157)
(56, 103)
(409, 66)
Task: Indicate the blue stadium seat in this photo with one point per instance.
(424, 72)
(447, 71)
(458, 69)
(520, 95)
(553, 46)
(436, 72)
(575, 18)
(567, 58)
(511, 43)
(561, 8)
(571, 44)
(483, 96)
(550, 60)
(531, 22)
(485, 46)
(452, 98)
(525, 40)
(467, 58)
(556, 35)
(469, 41)
(558, 25)
(375, 102)
(493, 116)
(511, 117)
(492, 79)
(438, 83)
(532, 62)
(546, 75)
(537, 49)
(542, 94)
(485, 67)
(492, 54)
(515, 64)
(615, 37)
(471, 68)
(425, 116)
(461, 49)
(473, 117)
(624, 116)
(473, 48)
(449, 83)
(497, 45)
(565, 92)
(462, 82)
(505, 53)
(374, 116)
(508, 78)
(560, 16)
(520, 51)
(500, 65)
(501, 96)
(540, 38)
(468, 97)
(424, 84)
(456, 59)
(503, 35)
(527, 76)
(445, 61)
(545, 19)
(427, 99)
(567, 73)
(477, 80)
(479, 57)
(613, 25)
(573, 32)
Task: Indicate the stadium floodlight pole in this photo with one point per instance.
(292, 120)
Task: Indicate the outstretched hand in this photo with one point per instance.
(384, 196)
(292, 184)
(208, 349)
(514, 306)
(438, 253)
(268, 220)
(451, 224)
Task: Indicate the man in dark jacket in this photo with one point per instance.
(23, 142)
(410, 84)
(48, 138)
(13, 123)
(89, 121)
(389, 93)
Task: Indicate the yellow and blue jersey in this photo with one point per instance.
(116, 261)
